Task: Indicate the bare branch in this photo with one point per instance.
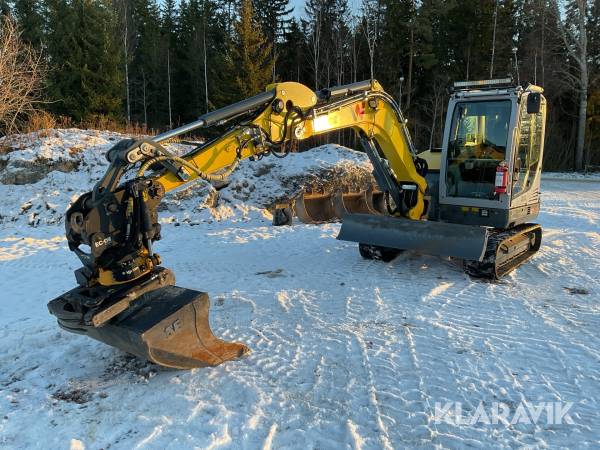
(371, 28)
(21, 74)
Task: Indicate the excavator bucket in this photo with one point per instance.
(314, 207)
(434, 238)
(366, 201)
(168, 326)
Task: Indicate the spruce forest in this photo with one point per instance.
(162, 63)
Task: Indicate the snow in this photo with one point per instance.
(593, 177)
(346, 353)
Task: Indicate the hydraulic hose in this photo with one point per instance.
(206, 176)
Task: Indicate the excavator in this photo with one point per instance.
(472, 200)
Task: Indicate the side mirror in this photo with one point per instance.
(534, 102)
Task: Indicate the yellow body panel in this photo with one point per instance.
(434, 159)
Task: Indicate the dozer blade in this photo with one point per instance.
(168, 326)
(434, 238)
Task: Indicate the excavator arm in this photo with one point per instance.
(125, 298)
(297, 113)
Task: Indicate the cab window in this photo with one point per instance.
(477, 144)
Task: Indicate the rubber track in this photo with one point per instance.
(487, 268)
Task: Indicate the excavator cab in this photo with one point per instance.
(490, 164)
(476, 145)
(483, 186)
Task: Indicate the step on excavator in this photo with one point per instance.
(472, 200)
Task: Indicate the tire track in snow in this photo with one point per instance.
(394, 386)
(305, 384)
(363, 370)
(463, 313)
(517, 351)
(562, 315)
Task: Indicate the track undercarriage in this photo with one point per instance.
(506, 250)
(501, 252)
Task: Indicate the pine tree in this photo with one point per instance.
(340, 42)
(190, 56)
(169, 42)
(86, 79)
(273, 17)
(574, 33)
(146, 76)
(593, 154)
(395, 45)
(4, 8)
(470, 36)
(432, 73)
(29, 15)
(314, 25)
(328, 37)
(169, 20)
(251, 53)
(291, 61)
(506, 30)
(203, 79)
(594, 36)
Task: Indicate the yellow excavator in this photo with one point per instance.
(470, 200)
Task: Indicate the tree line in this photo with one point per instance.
(164, 63)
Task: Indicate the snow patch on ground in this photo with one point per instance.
(571, 176)
(345, 352)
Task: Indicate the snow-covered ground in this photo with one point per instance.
(346, 353)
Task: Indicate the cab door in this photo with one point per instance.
(526, 163)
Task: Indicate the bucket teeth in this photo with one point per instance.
(366, 201)
(323, 207)
(376, 202)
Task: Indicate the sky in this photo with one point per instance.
(299, 6)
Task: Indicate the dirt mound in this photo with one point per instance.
(42, 173)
